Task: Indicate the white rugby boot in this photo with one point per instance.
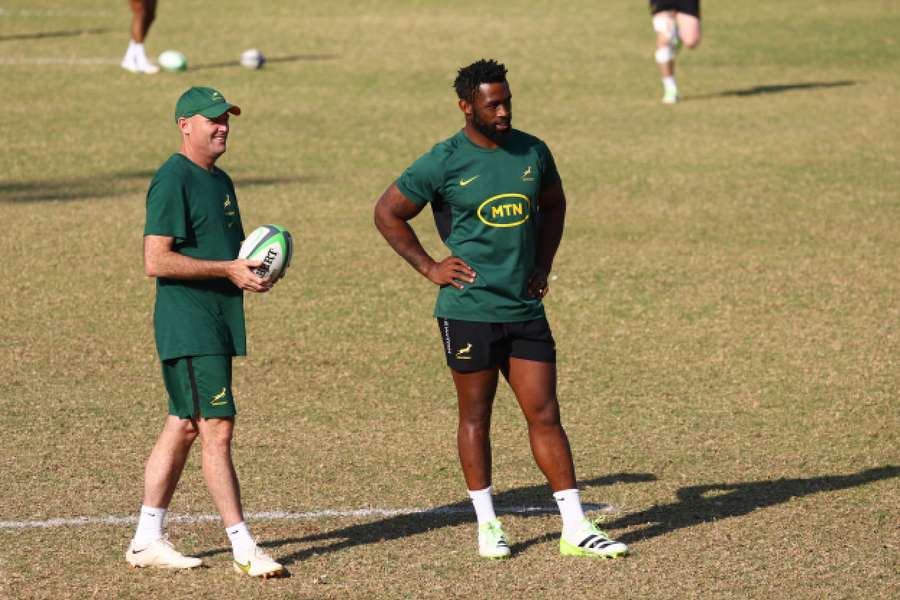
(160, 553)
(256, 563)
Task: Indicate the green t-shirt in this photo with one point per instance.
(199, 209)
(485, 207)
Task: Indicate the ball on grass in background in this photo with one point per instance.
(252, 59)
(172, 61)
(274, 246)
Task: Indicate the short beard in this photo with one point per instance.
(489, 130)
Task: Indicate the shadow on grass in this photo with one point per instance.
(695, 505)
(701, 503)
(519, 500)
(775, 88)
(48, 34)
(106, 186)
(274, 59)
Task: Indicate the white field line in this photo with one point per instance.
(56, 60)
(278, 515)
(10, 12)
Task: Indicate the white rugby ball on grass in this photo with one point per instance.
(274, 246)
(172, 61)
(252, 59)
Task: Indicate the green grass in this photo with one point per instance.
(726, 302)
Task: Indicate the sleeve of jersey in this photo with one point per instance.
(236, 203)
(421, 181)
(549, 174)
(166, 209)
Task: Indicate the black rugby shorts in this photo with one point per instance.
(475, 346)
(688, 7)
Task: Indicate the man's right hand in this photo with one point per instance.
(240, 274)
(450, 271)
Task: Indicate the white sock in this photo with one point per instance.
(484, 504)
(239, 536)
(569, 502)
(150, 526)
(669, 83)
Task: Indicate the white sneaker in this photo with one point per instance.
(257, 563)
(590, 541)
(138, 64)
(160, 553)
(670, 96)
(492, 542)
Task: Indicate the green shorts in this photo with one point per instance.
(199, 386)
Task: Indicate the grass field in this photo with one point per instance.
(726, 303)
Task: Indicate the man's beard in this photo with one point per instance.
(489, 130)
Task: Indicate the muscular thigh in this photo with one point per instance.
(534, 384)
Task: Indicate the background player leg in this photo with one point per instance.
(664, 23)
(688, 27)
(143, 13)
(475, 394)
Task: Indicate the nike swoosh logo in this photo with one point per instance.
(133, 551)
(465, 182)
(244, 568)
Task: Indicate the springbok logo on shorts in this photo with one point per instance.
(462, 353)
(219, 399)
(505, 210)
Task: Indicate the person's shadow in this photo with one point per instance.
(525, 502)
(699, 503)
(773, 88)
(696, 504)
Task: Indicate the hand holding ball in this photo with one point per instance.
(274, 246)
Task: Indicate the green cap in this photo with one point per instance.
(203, 101)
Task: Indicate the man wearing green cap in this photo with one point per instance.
(191, 240)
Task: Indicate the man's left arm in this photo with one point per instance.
(552, 204)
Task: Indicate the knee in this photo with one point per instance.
(691, 41)
(545, 416)
(474, 422)
(217, 434)
(185, 430)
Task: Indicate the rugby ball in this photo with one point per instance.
(252, 59)
(274, 246)
(173, 61)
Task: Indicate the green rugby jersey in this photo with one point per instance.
(199, 209)
(484, 202)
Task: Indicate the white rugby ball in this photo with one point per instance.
(252, 59)
(274, 246)
(172, 60)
